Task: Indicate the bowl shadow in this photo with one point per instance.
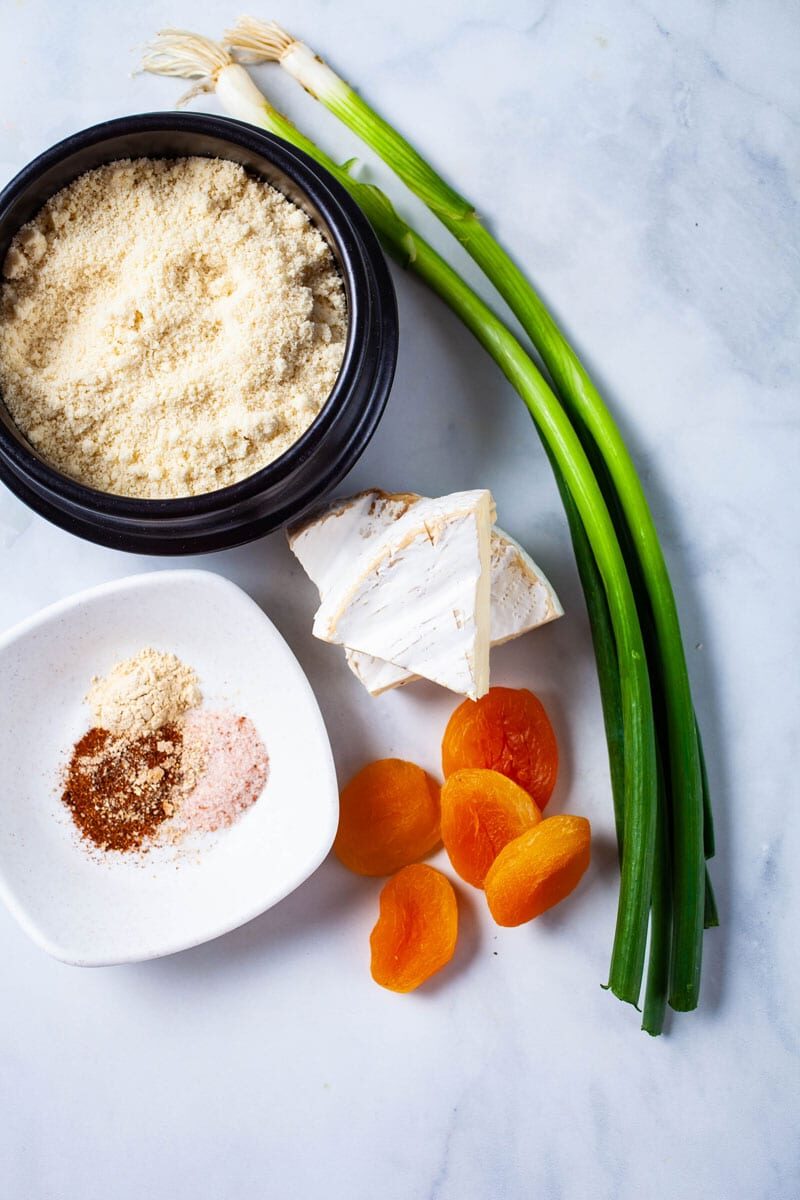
(302, 916)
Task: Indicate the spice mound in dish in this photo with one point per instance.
(145, 692)
(119, 790)
(234, 769)
(156, 766)
(168, 327)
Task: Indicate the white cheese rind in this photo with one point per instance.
(420, 594)
(376, 674)
(327, 542)
(522, 599)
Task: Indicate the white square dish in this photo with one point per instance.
(95, 909)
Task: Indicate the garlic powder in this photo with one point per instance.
(168, 327)
(142, 694)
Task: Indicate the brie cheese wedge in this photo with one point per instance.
(521, 599)
(418, 593)
(326, 543)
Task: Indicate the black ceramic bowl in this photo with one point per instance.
(325, 452)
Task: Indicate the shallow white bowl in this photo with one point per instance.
(95, 909)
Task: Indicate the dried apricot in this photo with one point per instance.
(388, 817)
(417, 927)
(482, 811)
(538, 869)
(507, 730)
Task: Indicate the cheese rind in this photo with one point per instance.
(328, 541)
(521, 599)
(419, 593)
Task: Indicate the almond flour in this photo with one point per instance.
(168, 327)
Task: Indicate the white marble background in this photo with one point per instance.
(641, 159)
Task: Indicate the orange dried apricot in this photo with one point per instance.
(417, 927)
(482, 811)
(538, 869)
(388, 817)
(507, 730)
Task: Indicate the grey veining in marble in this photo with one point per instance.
(642, 162)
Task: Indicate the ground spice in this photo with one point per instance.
(152, 754)
(143, 693)
(119, 790)
(235, 766)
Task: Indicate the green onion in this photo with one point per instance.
(605, 653)
(188, 56)
(709, 845)
(607, 453)
(710, 914)
(658, 966)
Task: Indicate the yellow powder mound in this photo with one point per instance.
(143, 693)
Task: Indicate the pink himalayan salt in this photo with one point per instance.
(235, 765)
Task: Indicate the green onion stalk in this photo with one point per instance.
(188, 56)
(687, 795)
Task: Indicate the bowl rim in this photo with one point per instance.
(344, 220)
(163, 578)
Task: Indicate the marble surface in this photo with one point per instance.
(641, 159)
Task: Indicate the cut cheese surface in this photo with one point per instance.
(522, 596)
(418, 595)
(327, 542)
